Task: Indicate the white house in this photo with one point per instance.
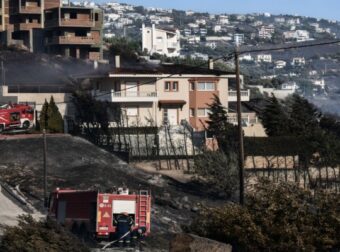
(298, 35)
(264, 58)
(289, 86)
(279, 64)
(321, 83)
(266, 31)
(238, 38)
(246, 57)
(162, 41)
(298, 61)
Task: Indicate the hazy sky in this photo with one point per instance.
(329, 9)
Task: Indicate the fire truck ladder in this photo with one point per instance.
(143, 207)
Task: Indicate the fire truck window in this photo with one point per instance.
(29, 111)
(15, 117)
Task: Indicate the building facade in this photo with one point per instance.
(28, 24)
(161, 41)
(74, 31)
(170, 94)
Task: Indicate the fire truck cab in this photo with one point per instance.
(16, 116)
(95, 213)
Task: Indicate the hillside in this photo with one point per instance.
(75, 163)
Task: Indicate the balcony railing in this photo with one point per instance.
(26, 26)
(76, 22)
(69, 23)
(232, 95)
(73, 40)
(30, 9)
(114, 96)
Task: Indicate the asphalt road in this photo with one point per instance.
(8, 211)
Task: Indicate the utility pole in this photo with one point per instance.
(239, 123)
(45, 168)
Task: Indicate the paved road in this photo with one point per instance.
(9, 211)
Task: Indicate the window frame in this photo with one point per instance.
(205, 83)
(206, 112)
(171, 86)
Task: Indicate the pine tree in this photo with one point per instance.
(224, 132)
(274, 119)
(43, 118)
(304, 116)
(55, 121)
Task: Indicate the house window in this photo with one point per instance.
(96, 17)
(206, 86)
(165, 116)
(203, 112)
(175, 86)
(192, 86)
(192, 112)
(171, 86)
(132, 111)
(208, 134)
(167, 86)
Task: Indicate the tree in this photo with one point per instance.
(43, 118)
(218, 170)
(219, 127)
(275, 217)
(127, 49)
(274, 118)
(30, 235)
(55, 121)
(304, 116)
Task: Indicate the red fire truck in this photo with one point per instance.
(16, 116)
(95, 213)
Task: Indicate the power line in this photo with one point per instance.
(226, 58)
(296, 46)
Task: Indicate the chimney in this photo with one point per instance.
(211, 63)
(95, 64)
(117, 61)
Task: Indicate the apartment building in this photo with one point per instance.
(164, 41)
(23, 23)
(74, 31)
(166, 94)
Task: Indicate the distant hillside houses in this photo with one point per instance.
(297, 35)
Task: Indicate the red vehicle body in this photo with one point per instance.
(95, 212)
(17, 116)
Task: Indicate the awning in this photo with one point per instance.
(171, 102)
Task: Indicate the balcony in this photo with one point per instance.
(114, 96)
(73, 40)
(247, 119)
(30, 9)
(69, 23)
(172, 45)
(26, 26)
(232, 95)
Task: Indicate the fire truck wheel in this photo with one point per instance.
(75, 228)
(26, 124)
(1, 128)
(83, 234)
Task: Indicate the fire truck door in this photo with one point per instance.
(61, 212)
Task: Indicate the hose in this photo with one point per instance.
(110, 243)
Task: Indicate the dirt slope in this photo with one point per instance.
(74, 162)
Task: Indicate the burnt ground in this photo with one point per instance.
(76, 163)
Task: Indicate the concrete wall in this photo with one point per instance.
(39, 98)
